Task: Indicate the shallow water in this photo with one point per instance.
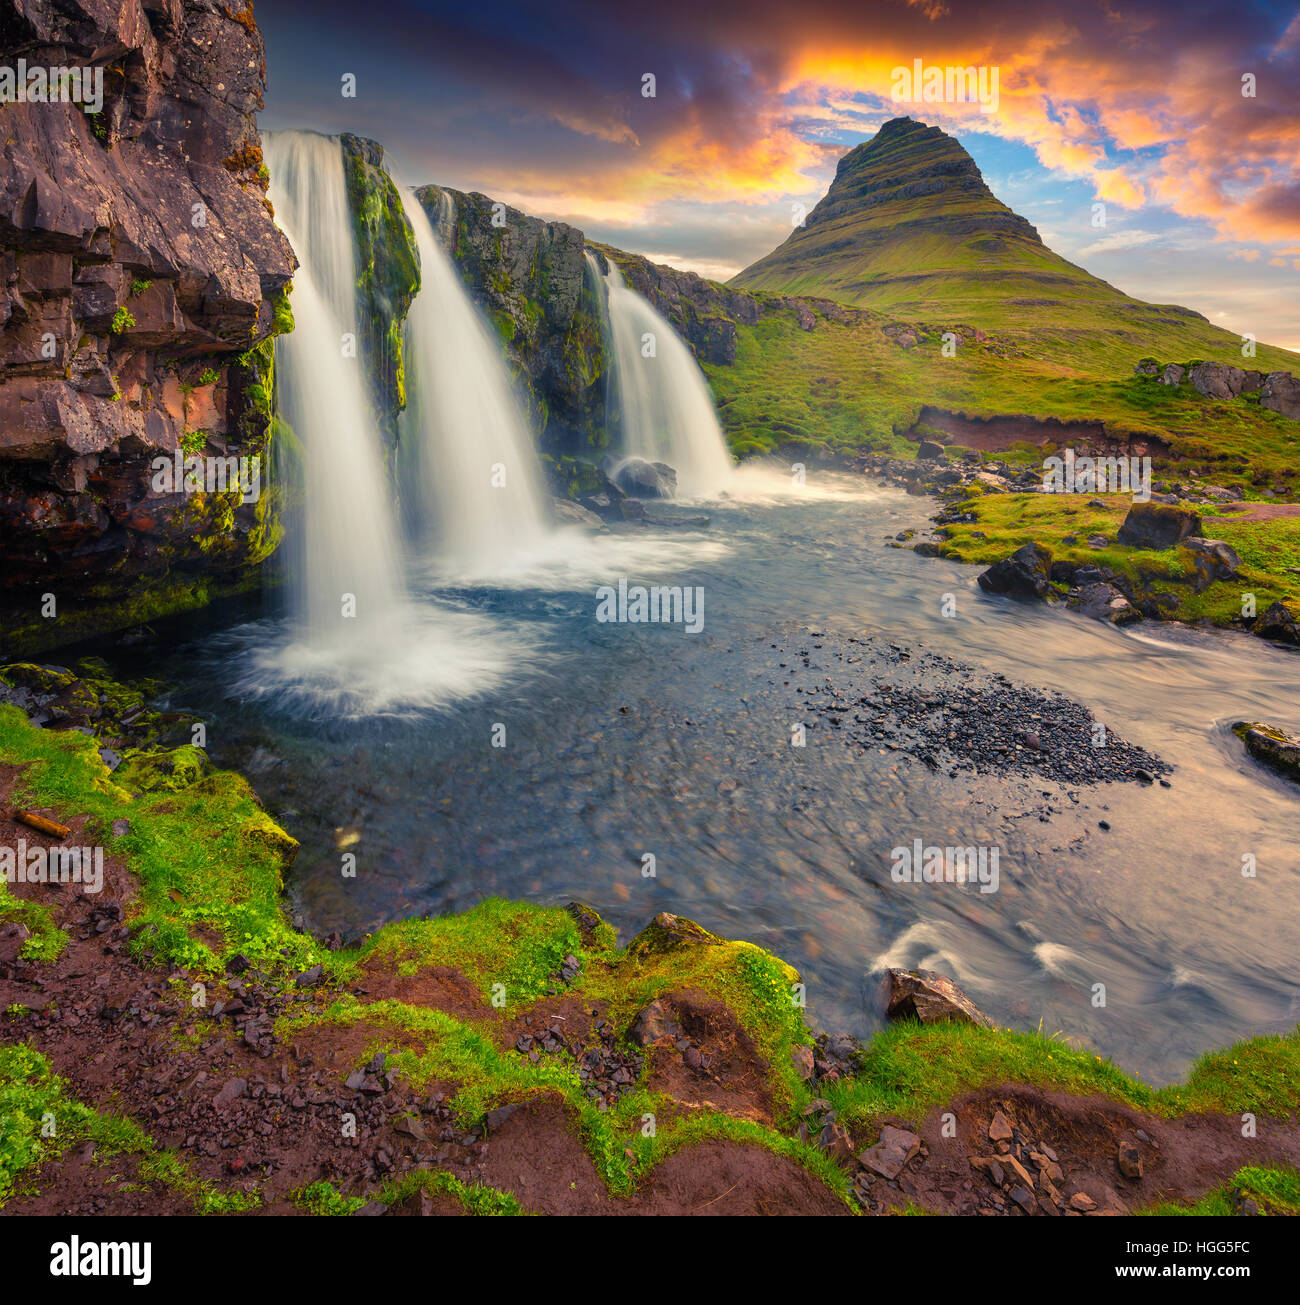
(622, 740)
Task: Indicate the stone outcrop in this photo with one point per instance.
(1025, 574)
(1278, 391)
(1158, 525)
(529, 277)
(144, 273)
(1278, 622)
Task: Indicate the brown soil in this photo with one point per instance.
(1257, 511)
(1183, 1159)
(727, 1072)
(993, 434)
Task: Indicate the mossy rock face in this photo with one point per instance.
(42, 679)
(388, 274)
(265, 835)
(670, 933)
(162, 772)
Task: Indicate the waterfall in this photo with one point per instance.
(356, 644)
(667, 410)
(346, 545)
(467, 451)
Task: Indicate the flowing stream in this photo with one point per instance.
(630, 739)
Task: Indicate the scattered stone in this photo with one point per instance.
(892, 1152)
(1129, 1160)
(931, 998)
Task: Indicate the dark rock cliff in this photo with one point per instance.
(531, 279)
(144, 277)
(529, 276)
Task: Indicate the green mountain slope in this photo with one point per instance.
(909, 228)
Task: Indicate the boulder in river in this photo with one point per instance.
(1278, 622)
(932, 998)
(1272, 746)
(1026, 573)
(1158, 525)
(1102, 601)
(641, 479)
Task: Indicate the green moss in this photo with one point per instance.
(209, 865)
(282, 312)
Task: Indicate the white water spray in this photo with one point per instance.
(357, 645)
(466, 446)
(667, 410)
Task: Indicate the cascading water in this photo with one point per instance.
(466, 448)
(347, 544)
(667, 411)
(356, 643)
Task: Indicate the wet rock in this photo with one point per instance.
(1103, 602)
(893, 1150)
(1272, 746)
(1026, 573)
(931, 998)
(641, 479)
(1158, 525)
(569, 513)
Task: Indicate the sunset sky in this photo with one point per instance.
(1136, 105)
